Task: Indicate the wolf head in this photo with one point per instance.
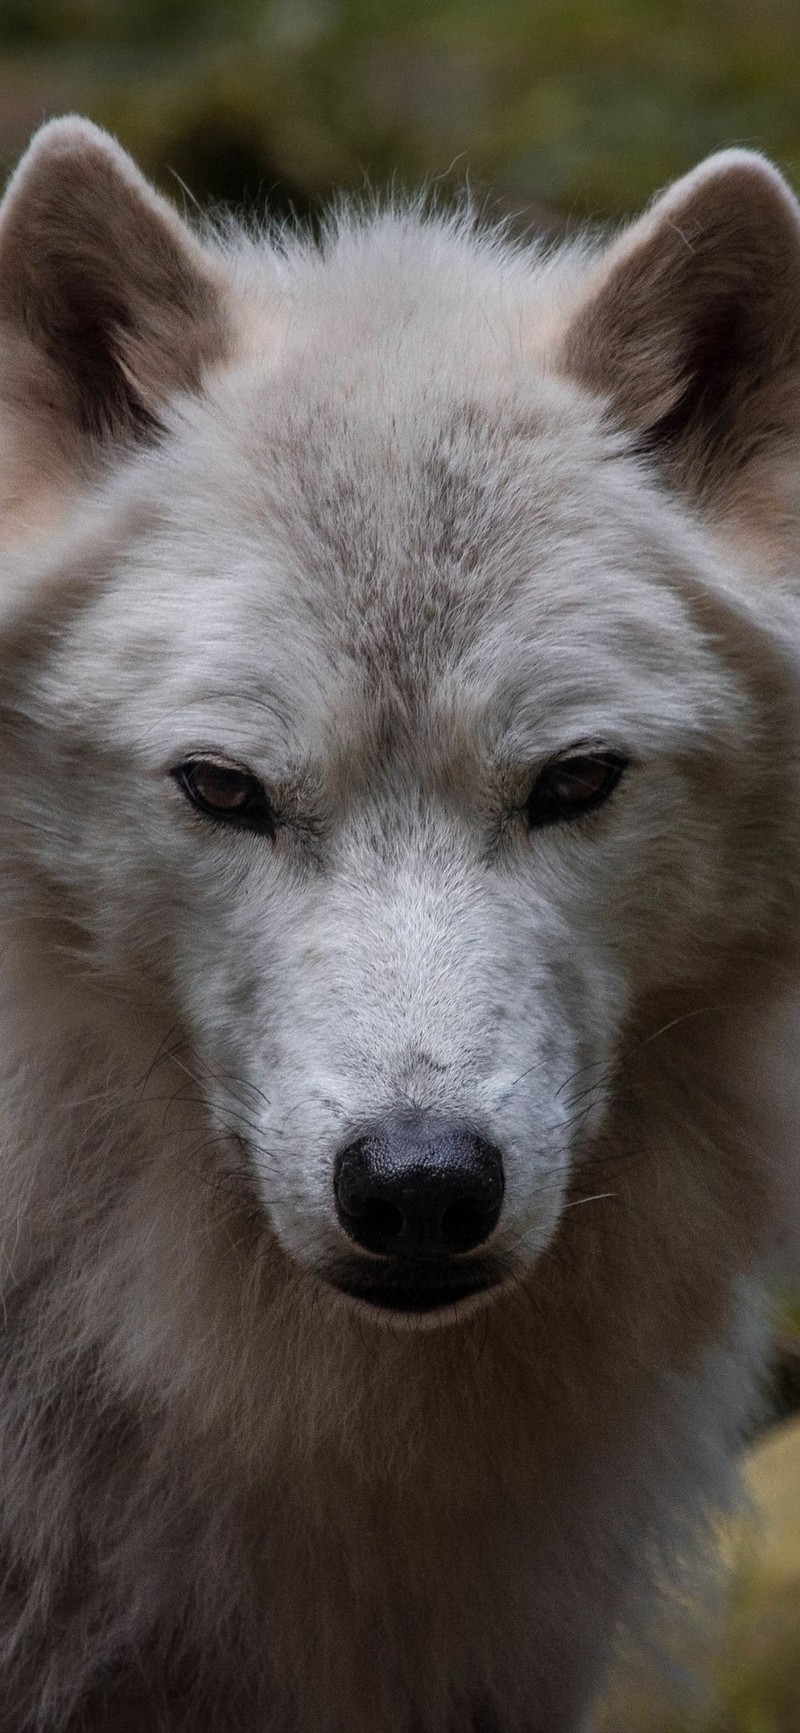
(389, 707)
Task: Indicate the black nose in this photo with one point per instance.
(419, 1187)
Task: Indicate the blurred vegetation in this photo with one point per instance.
(577, 107)
(742, 1673)
(561, 110)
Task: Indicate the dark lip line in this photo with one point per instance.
(401, 1297)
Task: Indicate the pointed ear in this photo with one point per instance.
(108, 304)
(691, 325)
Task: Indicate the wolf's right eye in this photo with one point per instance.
(226, 792)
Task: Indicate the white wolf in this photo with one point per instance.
(400, 848)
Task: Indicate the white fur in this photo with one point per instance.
(392, 555)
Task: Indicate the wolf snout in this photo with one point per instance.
(419, 1188)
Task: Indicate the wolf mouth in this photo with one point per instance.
(415, 1291)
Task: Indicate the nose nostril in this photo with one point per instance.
(382, 1218)
(466, 1222)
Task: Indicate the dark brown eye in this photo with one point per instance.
(226, 792)
(568, 787)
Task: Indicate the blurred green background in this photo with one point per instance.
(579, 108)
(555, 112)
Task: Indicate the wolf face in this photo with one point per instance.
(392, 720)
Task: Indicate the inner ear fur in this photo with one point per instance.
(690, 328)
(108, 303)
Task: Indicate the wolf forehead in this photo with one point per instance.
(398, 466)
(386, 538)
(355, 542)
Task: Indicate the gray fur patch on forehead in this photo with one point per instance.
(409, 445)
(411, 514)
(412, 541)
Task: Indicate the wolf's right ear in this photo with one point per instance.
(108, 304)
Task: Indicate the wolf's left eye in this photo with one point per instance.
(570, 786)
(226, 792)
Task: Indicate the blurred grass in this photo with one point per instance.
(738, 1671)
(752, 1683)
(577, 107)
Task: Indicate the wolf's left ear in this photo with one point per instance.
(108, 304)
(691, 325)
